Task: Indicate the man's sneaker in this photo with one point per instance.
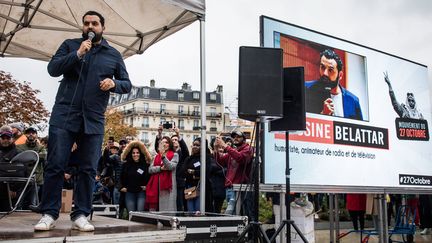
(45, 223)
(425, 231)
(82, 224)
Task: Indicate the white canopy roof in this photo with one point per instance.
(35, 28)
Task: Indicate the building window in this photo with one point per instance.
(213, 127)
(180, 109)
(181, 124)
(162, 108)
(146, 107)
(212, 111)
(180, 95)
(162, 120)
(134, 92)
(131, 122)
(195, 95)
(146, 92)
(144, 137)
(195, 111)
(196, 125)
(212, 96)
(163, 94)
(195, 137)
(145, 122)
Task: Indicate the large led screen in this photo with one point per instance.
(367, 114)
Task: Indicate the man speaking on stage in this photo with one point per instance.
(91, 69)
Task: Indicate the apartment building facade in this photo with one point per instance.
(146, 107)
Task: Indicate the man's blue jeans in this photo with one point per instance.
(231, 201)
(60, 143)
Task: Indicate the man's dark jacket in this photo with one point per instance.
(315, 96)
(79, 98)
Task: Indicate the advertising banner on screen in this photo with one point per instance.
(367, 114)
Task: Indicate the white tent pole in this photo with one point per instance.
(203, 97)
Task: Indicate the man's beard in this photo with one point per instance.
(96, 38)
(327, 83)
(31, 140)
(237, 143)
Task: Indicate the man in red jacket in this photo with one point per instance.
(237, 160)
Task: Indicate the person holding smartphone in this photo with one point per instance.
(162, 189)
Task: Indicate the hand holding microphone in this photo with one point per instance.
(328, 107)
(86, 45)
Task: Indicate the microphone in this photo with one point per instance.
(90, 35)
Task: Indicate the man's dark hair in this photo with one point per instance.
(330, 54)
(175, 135)
(91, 12)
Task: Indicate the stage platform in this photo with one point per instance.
(18, 227)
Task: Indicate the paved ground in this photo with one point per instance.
(323, 236)
(20, 226)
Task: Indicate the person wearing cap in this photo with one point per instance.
(8, 149)
(7, 152)
(238, 163)
(115, 166)
(32, 143)
(17, 131)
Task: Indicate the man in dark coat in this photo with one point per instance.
(7, 152)
(326, 96)
(91, 69)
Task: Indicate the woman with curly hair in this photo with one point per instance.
(135, 176)
(162, 189)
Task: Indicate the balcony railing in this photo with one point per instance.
(169, 112)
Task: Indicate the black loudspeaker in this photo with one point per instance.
(260, 83)
(294, 114)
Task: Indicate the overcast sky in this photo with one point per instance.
(399, 27)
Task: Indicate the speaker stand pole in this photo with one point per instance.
(254, 228)
(288, 222)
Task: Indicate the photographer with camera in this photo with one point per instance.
(238, 163)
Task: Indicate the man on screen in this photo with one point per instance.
(326, 96)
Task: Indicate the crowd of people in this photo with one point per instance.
(142, 178)
(14, 139)
(167, 176)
